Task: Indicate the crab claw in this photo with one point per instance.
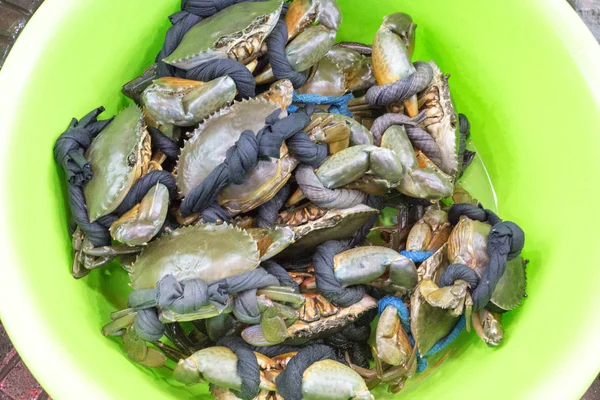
(140, 224)
(304, 13)
(374, 261)
(393, 345)
(304, 51)
(184, 102)
(393, 47)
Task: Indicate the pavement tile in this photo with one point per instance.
(20, 384)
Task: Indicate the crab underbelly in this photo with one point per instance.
(261, 185)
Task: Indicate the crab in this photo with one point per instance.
(318, 318)
(442, 121)
(325, 380)
(342, 70)
(308, 43)
(208, 145)
(119, 156)
(467, 245)
(313, 226)
(394, 165)
(236, 32)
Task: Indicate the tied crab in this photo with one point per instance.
(312, 26)
(118, 157)
(208, 145)
(441, 121)
(237, 32)
(325, 379)
(210, 253)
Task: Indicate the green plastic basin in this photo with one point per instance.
(526, 72)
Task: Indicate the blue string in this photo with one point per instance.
(338, 104)
(405, 321)
(417, 256)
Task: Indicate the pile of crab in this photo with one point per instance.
(265, 235)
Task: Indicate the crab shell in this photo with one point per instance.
(441, 120)
(117, 158)
(237, 31)
(207, 148)
(333, 225)
(510, 290)
(205, 251)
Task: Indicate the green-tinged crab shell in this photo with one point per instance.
(218, 36)
(441, 121)
(207, 148)
(114, 156)
(209, 252)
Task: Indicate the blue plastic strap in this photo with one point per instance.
(417, 256)
(339, 104)
(405, 320)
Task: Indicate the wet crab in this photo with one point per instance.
(442, 121)
(308, 43)
(326, 379)
(208, 146)
(210, 253)
(313, 226)
(119, 156)
(236, 32)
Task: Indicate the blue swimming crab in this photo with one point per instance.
(324, 380)
(236, 32)
(312, 26)
(208, 145)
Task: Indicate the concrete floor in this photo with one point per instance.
(16, 382)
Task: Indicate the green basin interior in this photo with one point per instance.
(524, 71)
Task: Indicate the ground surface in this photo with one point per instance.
(16, 382)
